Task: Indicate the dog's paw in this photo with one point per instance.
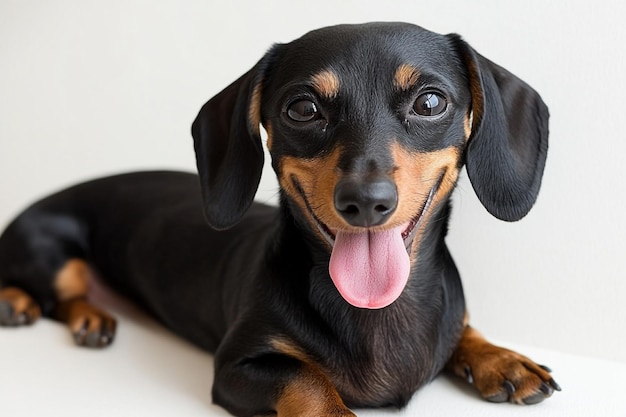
(502, 375)
(17, 308)
(90, 326)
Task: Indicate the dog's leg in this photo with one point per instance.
(500, 374)
(283, 382)
(66, 302)
(285, 387)
(310, 394)
(17, 308)
(89, 325)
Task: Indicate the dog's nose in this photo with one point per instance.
(366, 202)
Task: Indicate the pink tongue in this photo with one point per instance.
(370, 269)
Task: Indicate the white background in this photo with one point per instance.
(91, 88)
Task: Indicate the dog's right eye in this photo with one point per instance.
(302, 111)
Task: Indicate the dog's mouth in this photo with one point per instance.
(370, 268)
(408, 232)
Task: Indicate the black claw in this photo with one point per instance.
(500, 397)
(22, 319)
(79, 337)
(6, 313)
(545, 368)
(108, 331)
(554, 385)
(503, 395)
(92, 339)
(508, 385)
(534, 399)
(546, 389)
(81, 334)
(468, 375)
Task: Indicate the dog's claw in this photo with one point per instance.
(508, 385)
(534, 399)
(545, 368)
(554, 384)
(468, 375)
(546, 389)
(6, 313)
(92, 339)
(500, 397)
(81, 334)
(503, 395)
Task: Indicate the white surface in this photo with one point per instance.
(90, 88)
(150, 372)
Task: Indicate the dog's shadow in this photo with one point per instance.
(158, 353)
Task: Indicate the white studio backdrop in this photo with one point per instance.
(90, 88)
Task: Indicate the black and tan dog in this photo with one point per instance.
(343, 296)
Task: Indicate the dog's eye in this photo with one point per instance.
(302, 111)
(429, 104)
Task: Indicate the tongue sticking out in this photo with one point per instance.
(370, 269)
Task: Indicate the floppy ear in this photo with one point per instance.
(508, 145)
(229, 153)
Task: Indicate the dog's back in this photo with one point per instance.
(136, 230)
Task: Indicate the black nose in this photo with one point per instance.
(366, 202)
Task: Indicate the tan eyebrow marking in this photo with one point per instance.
(326, 83)
(406, 77)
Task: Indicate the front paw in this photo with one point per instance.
(500, 374)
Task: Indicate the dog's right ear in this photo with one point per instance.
(229, 152)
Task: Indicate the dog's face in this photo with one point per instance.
(367, 141)
(368, 127)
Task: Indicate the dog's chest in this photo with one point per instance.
(383, 368)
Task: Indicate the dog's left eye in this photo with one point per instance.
(302, 111)
(430, 104)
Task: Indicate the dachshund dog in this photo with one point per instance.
(345, 295)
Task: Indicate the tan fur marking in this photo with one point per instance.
(81, 311)
(72, 280)
(406, 77)
(415, 175)
(310, 394)
(254, 111)
(89, 325)
(468, 125)
(290, 349)
(326, 83)
(317, 178)
(476, 91)
(270, 134)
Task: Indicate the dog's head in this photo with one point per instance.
(368, 127)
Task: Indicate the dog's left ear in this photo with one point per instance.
(508, 145)
(229, 152)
